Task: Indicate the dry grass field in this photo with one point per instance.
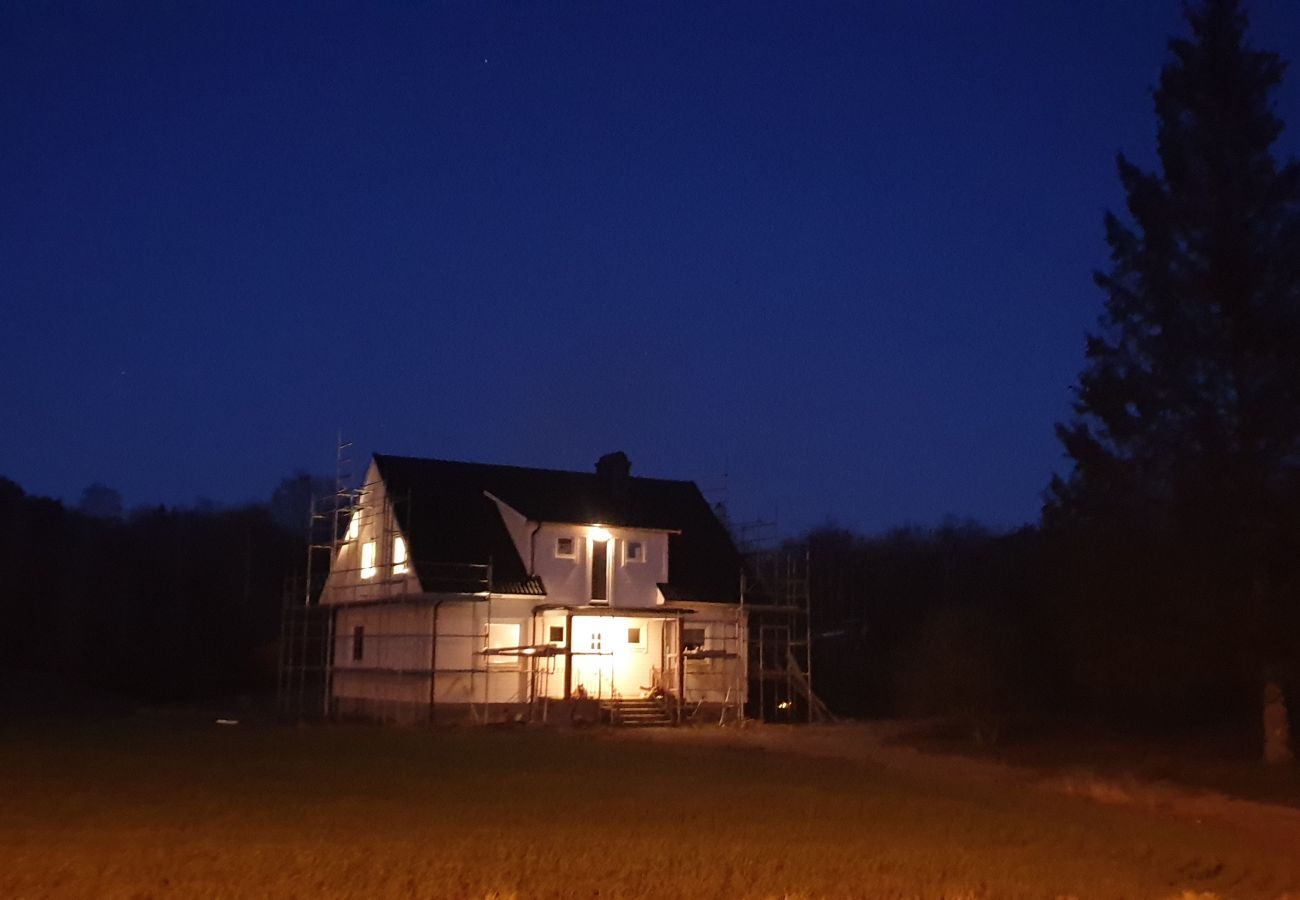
(138, 809)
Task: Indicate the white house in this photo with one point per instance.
(494, 593)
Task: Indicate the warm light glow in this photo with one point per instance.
(784, 704)
(354, 526)
(368, 559)
(500, 636)
(399, 556)
(598, 533)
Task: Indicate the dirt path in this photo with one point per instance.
(1273, 827)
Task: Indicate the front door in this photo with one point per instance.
(593, 662)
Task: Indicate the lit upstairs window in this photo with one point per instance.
(399, 556)
(368, 559)
(354, 526)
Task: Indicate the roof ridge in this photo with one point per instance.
(550, 471)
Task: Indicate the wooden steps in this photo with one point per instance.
(638, 713)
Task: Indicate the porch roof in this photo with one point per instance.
(638, 612)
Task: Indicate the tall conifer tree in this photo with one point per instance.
(1189, 404)
(1187, 436)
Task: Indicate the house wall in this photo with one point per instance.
(717, 679)
(606, 664)
(568, 579)
(399, 664)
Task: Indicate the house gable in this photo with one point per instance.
(373, 560)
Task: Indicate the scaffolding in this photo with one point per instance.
(713, 665)
(306, 655)
(776, 592)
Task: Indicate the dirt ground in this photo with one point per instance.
(885, 744)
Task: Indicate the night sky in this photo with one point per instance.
(839, 252)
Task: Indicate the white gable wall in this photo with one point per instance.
(375, 522)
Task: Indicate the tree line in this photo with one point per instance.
(156, 605)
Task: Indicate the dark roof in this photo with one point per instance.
(446, 517)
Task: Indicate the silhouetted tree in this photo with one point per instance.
(291, 501)
(99, 501)
(1188, 428)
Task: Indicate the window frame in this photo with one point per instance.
(401, 556)
(606, 582)
(488, 643)
(573, 546)
(369, 567)
(628, 558)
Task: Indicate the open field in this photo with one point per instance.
(1226, 762)
(151, 809)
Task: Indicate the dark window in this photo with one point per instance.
(564, 546)
(557, 634)
(634, 635)
(634, 551)
(358, 642)
(600, 571)
(692, 638)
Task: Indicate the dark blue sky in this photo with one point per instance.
(839, 252)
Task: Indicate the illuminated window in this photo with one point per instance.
(565, 548)
(501, 635)
(358, 643)
(557, 634)
(399, 556)
(634, 551)
(634, 636)
(354, 526)
(692, 638)
(368, 559)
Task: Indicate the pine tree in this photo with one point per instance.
(1187, 436)
(1189, 405)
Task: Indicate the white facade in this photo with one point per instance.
(603, 630)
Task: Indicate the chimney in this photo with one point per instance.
(614, 469)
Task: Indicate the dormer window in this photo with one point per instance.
(368, 559)
(633, 552)
(399, 556)
(565, 547)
